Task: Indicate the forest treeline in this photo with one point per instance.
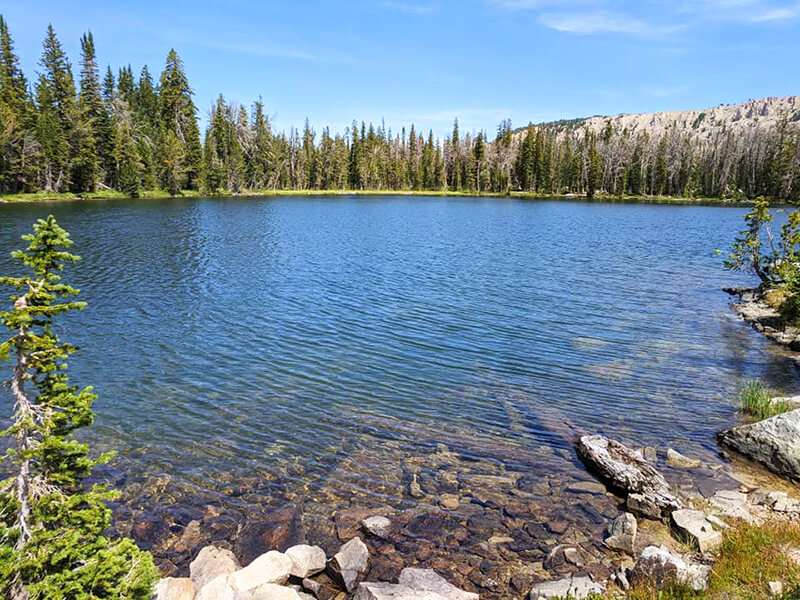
(132, 133)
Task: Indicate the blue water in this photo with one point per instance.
(268, 340)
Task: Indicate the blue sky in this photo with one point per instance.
(429, 62)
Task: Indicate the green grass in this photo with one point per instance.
(113, 194)
(748, 559)
(755, 399)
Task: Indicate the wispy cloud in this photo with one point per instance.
(583, 23)
(654, 17)
(410, 8)
(776, 14)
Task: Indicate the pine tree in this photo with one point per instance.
(178, 116)
(55, 98)
(17, 154)
(51, 524)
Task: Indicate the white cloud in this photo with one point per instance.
(775, 14)
(410, 8)
(583, 23)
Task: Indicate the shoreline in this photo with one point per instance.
(44, 197)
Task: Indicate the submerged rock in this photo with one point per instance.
(626, 470)
(774, 442)
(377, 526)
(677, 460)
(657, 565)
(569, 587)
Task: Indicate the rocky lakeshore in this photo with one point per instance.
(753, 308)
(490, 514)
(654, 535)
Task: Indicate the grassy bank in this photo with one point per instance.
(151, 194)
(749, 558)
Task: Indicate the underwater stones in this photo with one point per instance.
(695, 525)
(586, 487)
(561, 557)
(627, 470)
(175, 588)
(377, 526)
(679, 461)
(659, 566)
(577, 587)
(622, 533)
(306, 560)
(211, 562)
(274, 529)
(773, 442)
(350, 563)
(414, 488)
(449, 501)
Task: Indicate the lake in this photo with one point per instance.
(262, 362)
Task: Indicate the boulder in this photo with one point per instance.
(269, 591)
(272, 567)
(428, 580)
(622, 533)
(211, 562)
(677, 460)
(350, 563)
(733, 505)
(694, 525)
(643, 506)
(774, 442)
(306, 560)
(392, 591)
(657, 565)
(626, 470)
(573, 587)
(219, 588)
(377, 526)
(175, 588)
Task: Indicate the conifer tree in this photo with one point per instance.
(51, 523)
(178, 117)
(55, 99)
(17, 152)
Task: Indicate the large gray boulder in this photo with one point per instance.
(694, 525)
(211, 562)
(350, 563)
(657, 565)
(572, 587)
(622, 533)
(219, 588)
(175, 588)
(272, 567)
(626, 470)
(429, 580)
(269, 591)
(774, 442)
(306, 560)
(392, 591)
